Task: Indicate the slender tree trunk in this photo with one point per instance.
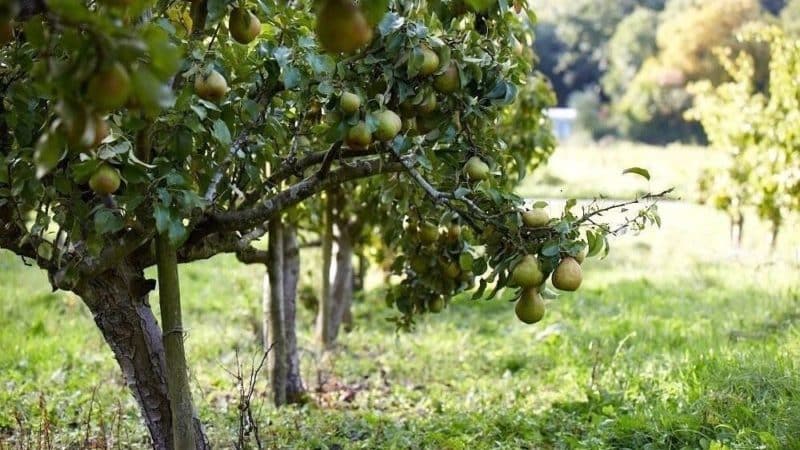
(180, 394)
(740, 226)
(118, 300)
(274, 308)
(773, 242)
(325, 311)
(338, 273)
(295, 391)
(342, 288)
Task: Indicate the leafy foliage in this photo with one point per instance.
(757, 129)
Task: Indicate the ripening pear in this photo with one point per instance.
(428, 233)
(451, 269)
(527, 273)
(476, 169)
(244, 26)
(359, 136)
(389, 125)
(530, 307)
(105, 180)
(436, 304)
(349, 102)
(568, 276)
(449, 81)
(211, 86)
(109, 88)
(341, 27)
(536, 217)
(430, 62)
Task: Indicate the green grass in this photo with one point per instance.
(589, 170)
(674, 341)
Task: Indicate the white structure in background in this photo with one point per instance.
(563, 121)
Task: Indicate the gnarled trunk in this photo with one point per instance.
(118, 299)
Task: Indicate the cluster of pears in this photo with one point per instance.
(342, 27)
(387, 123)
(528, 275)
(244, 28)
(436, 258)
(84, 127)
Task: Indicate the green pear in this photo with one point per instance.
(568, 276)
(530, 307)
(527, 273)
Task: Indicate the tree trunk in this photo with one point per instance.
(180, 393)
(118, 300)
(274, 309)
(773, 242)
(337, 273)
(325, 311)
(295, 391)
(342, 289)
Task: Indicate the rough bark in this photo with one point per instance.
(274, 309)
(295, 390)
(180, 394)
(118, 300)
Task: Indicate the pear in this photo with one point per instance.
(105, 180)
(476, 169)
(530, 307)
(436, 304)
(109, 88)
(430, 62)
(349, 102)
(341, 27)
(211, 87)
(527, 273)
(568, 276)
(451, 269)
(244, 26)
(536, 217)
(359, 136)
(428, 233)
(389, 124)
(449, 81)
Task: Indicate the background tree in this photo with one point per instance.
(757, 129)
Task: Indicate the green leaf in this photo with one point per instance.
(465, 260)
(221, 133)
(638, 171)
(390, 22)
(162, 216)
(106, 221)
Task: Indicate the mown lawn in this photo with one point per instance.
(674, 341)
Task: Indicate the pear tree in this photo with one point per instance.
(144, 133)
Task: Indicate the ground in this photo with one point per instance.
(674, 341)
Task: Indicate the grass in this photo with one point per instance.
(588, 170)
(674, 341)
